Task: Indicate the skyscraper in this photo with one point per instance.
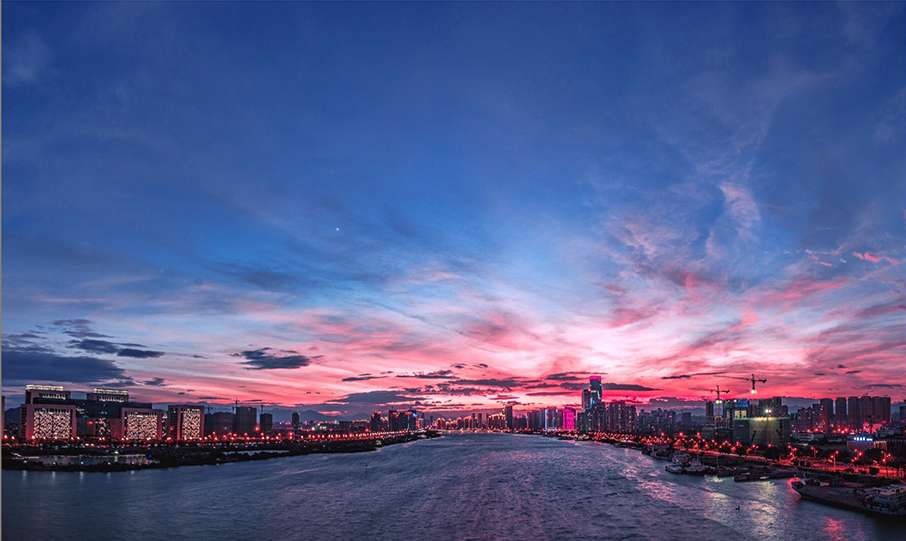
(296, 420)
(508, 412)
(597, 390)
(586, 399)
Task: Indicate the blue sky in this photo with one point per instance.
(355, 205)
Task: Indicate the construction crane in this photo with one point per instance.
(751, 380)
(719, 392)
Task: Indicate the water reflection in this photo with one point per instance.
(459, 487)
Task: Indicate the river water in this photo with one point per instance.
(471, 486)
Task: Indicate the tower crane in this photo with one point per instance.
(751, 380)
(719, 392)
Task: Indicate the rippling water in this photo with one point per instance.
(479, 486)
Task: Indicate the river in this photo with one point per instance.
(470, 486)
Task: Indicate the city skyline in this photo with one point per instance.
(353, 222)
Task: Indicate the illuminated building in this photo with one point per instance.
(597, 390)
(137, 424)
(762, 431)
(108, 395)
(50, 392)
(49, 421)
(569, 419)
(185, 423)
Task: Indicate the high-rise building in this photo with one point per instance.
(854, 409)
(569, 419)
(508, 413)
(219, 422)
(376, 423)
(709, 410)
(840, 416)
(297, 421)
(393, 420)
(597, 390)
(266, 423)
(826, 413)
(137, 424)
(185, 423)
(586, 399)
(881, 409)
(246, 420)
(49, 421)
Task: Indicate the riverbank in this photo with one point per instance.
(881, 497)
(76, 459)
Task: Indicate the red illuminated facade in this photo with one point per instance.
(49, 422)
(185, 423)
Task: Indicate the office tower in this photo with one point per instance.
(709, 410)
(296, 420)
(185, 423)
(597, 390)
(375, 424)
(508, 413)
(266, 423)
(246, 420)
(586, 399)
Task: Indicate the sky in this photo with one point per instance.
(341, 207)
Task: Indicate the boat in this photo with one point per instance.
(659, 452)
(752, 475)
(887, 501)
(684, 464)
